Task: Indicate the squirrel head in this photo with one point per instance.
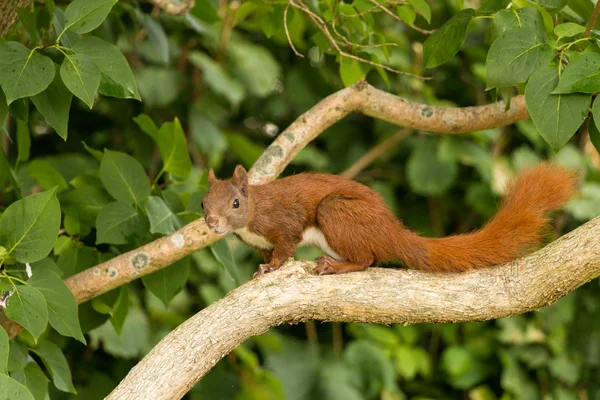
(226, 205)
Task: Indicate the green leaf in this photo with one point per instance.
(565, 369)
(350, 71)
(20, 109)
(67, 38)
(224, 256)
(217, 78)
(17, 357)
(23, 140)
(46, 175)
(27, 18)
(167, 282)
(147, 125)
(594, 126)
(13, 390)
(492, 6)
(83, 16)
(54, 104)
(422, 8)
(157, 36)
(158, 86)
(81, 76)
(76, 258)
(117, 79)
(406, 14)
(97, 154)
(255, 66)
(173, 148)
(568, 29)
(247, 151)
(124, 177)
(120, 310)
(514, 56)
(162, 219)
(27, 306)
(33, 379)
(206, 11)
(134, 340)
(552, 6)
(23, 72)
(118, 222)
(47, 264)
(556, 116)
(62, 307)
(84, 203)
(456, 360)
(56, 363)
(3, 108)
(581, 75)
(445, 42)
(204, 133)
(4, 351)
(29, 227)
(426, 174)
(527, 17)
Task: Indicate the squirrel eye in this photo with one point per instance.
(202, 205)
(236, 203)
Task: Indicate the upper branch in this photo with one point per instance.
(376, 295)
(361, 97)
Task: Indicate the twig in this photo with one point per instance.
(592, 21)
(173, 8)
(287, 32)
(226, 29)
(384, 9)
(323, 27)
(376, 152)
(352, 44)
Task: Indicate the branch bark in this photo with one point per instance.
(8, 13)
(358, 98)
(377, 295)
(173, 7)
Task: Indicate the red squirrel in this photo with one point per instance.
(352, 224)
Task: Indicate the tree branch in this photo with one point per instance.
(361, 98)
(173, 7)
(592, 21)
(376, 295)
(8, 13)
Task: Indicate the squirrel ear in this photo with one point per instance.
(240, 179)
(211, 177)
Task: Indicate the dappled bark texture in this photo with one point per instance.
(8, 13)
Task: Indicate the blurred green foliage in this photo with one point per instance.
(89, 172)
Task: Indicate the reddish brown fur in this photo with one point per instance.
(360, 228)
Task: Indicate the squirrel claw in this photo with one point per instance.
(263, 269)
(324, 265)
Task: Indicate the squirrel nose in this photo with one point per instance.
(211, 221)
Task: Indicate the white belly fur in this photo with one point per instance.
(311, 236)
(253, 239)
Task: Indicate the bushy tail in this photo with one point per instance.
(512, 232)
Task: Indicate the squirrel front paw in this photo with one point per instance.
(264, 269)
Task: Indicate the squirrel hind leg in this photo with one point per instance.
(328, 266)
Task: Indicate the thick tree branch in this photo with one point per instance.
(174, 7)
(377, 295)
(8, 13)
(358, 98)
